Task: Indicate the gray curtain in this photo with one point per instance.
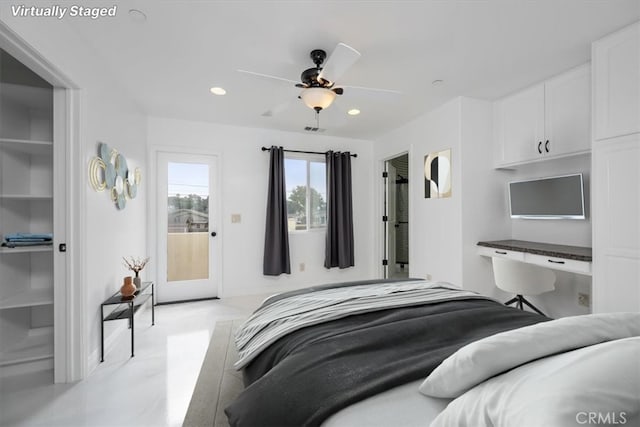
(339, 245)
(276, 236)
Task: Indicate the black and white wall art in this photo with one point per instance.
(437, 174)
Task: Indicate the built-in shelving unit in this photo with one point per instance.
(26, 206)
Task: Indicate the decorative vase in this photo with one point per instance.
(137, 281)
(128, 288)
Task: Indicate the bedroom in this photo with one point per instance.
(136, 94)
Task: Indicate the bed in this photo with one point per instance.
(414, 352)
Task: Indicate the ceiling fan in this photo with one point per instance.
(318, 84)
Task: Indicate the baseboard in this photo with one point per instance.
(187, 300)
(26, 367)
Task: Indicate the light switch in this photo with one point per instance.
(235, 218)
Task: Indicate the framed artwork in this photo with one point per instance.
(437, 174)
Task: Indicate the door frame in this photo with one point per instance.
(380, 231)
(152, 203)
(70, 330)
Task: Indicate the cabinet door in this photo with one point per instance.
(519, 126)
(568, 113)
(616, 69)
(616, 225)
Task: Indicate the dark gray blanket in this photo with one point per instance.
(312, 373)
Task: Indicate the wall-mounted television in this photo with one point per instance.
(556, 197)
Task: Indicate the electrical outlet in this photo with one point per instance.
(302, 266)
(428, 276)
(235, 218)
(584, 300)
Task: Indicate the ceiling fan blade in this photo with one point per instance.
(280, 108)
(340, 60)
(372, 89)
(253, 73)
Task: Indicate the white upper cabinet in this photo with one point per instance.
(617, 84)
(519, 125)
(551, 119)
(567, 100)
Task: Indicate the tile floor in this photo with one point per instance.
(151, 389)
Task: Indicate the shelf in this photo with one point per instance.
(30, 298)
(26, 249)
(125, 313)
(27, 146)
(24, 197)
(37, 345)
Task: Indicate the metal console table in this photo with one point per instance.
(126, 308)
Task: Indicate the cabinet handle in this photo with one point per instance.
(546, 146)
(540, 147)
(555, 262)
(501, 252)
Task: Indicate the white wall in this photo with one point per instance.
(244, 191)
(107, 115)
(444, 232)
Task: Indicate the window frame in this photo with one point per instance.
(308, 158)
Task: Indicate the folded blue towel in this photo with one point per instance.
(28, 237)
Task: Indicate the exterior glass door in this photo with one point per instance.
(186, 227)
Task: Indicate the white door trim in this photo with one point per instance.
(70, 361)
(379, 231)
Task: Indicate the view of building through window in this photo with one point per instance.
(306, 193)
(188, 221)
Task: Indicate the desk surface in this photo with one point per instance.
(578, 253)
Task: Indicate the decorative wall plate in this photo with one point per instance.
(110, 171)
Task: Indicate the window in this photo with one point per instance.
(306, 192)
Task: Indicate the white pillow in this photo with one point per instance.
(498, 353)
(595, 385)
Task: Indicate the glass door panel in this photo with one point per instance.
(187, 221)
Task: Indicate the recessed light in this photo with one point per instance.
(137, 15)
(353, 112)
(217, 91)
(437, 82)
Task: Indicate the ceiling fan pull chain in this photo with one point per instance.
(317, 119)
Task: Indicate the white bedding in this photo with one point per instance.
(495, 354)
(401, 406)
(595, 385)
(577, 371)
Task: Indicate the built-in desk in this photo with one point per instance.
(575, 259)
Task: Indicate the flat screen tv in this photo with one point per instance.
(557, 197)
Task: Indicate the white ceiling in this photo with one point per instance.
(482, 49)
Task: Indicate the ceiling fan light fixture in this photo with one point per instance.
(317, 98)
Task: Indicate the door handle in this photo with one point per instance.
(214, 234)
(546, 146)
(540, 147)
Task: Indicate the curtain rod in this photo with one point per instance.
(305, 152)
